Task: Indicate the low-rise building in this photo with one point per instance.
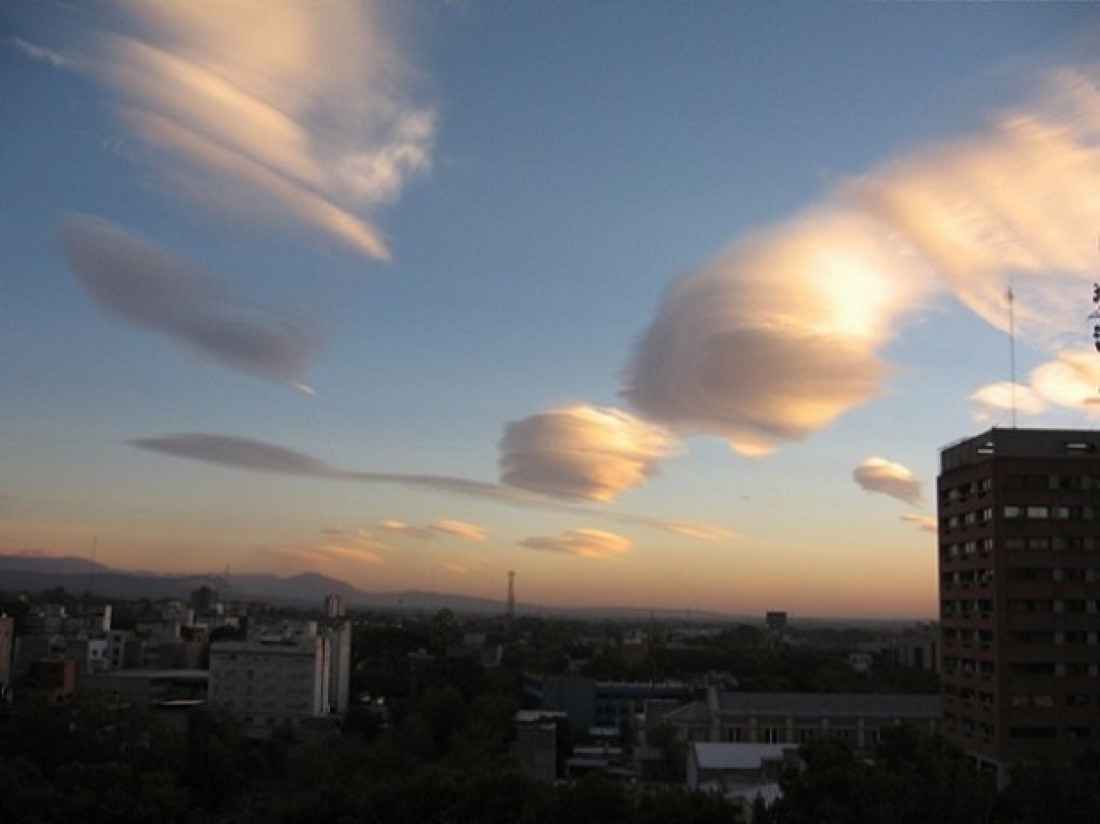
(799, 717)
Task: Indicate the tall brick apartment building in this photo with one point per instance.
(1019, 583)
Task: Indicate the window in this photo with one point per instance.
(1032, 733)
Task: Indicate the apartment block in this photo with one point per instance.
(1019, 586)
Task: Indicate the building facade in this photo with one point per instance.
(281, 679)
(1019, 585)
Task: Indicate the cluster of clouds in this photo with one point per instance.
(765, 345)
(305, 115)
(783, 332)
(306, 119)
(260, 456)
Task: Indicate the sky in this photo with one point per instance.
(652, 304)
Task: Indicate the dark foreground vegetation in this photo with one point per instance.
(447, 761)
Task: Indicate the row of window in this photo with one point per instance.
(960, 492)
(1014, 512)
(984, 577)
(1017, 732)
(953, 665)
(1073, 483)
(950, 607)
(979, 636)
(1034, 543)
(1050, 668)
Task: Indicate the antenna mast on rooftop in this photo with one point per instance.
(1011, 298)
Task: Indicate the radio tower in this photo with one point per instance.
(511, 595)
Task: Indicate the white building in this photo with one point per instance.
(278, 679)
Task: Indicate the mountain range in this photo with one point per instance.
(36, 573)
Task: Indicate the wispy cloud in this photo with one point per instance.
(260, 456)
(775, 338)
(131, 280)
(336, 549)
(582, 452)
(407, 530)
(39, 52)
(310, 111)
(888, 478)
(459, 529)
(925, 523)
(583, 543)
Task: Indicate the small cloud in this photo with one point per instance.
(131, 280)
(582, 452)
(402, 528)
(459, 529)
(583, 543)
(925, 523)
(888, 478)
(37, 52)
(457, 569)
(995, 399)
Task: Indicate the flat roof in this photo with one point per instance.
(1021, 443)
(721, 755)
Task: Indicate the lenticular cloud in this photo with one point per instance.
(581, 452)
(885, 477)
(774, 339)
(137, 283)
(290, 106)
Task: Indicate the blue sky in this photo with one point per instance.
(653, 304)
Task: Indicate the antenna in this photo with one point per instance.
(511, 595)
(1011, 298)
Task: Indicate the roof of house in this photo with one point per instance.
(902, 705)
(715, 755)
(696, 712)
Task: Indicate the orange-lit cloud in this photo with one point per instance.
(337, 547)
(925, 523)
(772, 340)
(777, 337)
(402, 528)
(582, 452)
(444, 526)
(1072, 380)
(307, 109)
(583, 543)
(459, 529)
(888, 478)
(1012, 204)
(132, 280)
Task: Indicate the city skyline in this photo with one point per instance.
(666, 307)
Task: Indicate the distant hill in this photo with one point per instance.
(35, 573)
